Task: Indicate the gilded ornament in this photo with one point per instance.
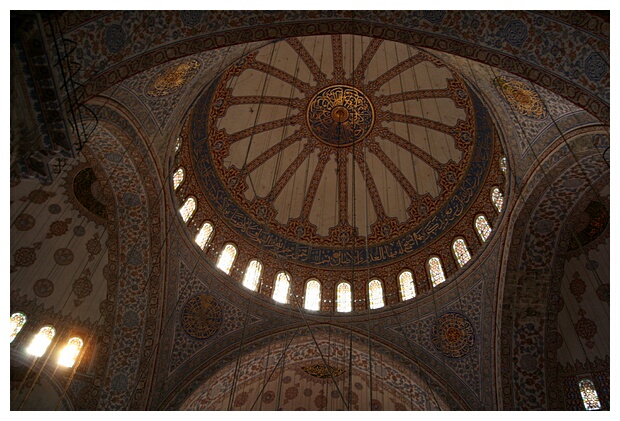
(202, 316)
(170, 80)
(522, 98)
(323, 371)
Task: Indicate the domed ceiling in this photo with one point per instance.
(340, 152)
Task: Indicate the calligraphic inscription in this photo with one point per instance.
(173, 78)
(202, 316)
(521, 97)
(323, 371)
(453, 335)
(340, 115)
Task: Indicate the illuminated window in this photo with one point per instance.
(18, 320)
(459, 247)
(227, 258)
(177, 146)
(204, 235)
(280, 291)
(435, 271)
(407, 287)
(343, 297)
(177, 177)
(589, 395)
(502, 164)
(188, 208)
(497, 198)
(252, 275)
(483, 227)
(39, 344)
(375, 294)
(70, 352)
(313, 295)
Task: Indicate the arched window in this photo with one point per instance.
(497, 198)
(483, 227)
(204, 235)
(18, 320)
(502, 164)
(313, 295)
(343, 297)
(70, 352)
(39, 344)
(229, 252)
(188, 208)
(375, 294)
(407, 287)
(280, 291)
(589, 395)
(435, 271)
(459, 247)
(177, 177)
(177, 145)
(252, 275)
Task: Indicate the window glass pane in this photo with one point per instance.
(436, 271)
(188, 208)
(502, 164)
(204, 235)
(589, 395)
(483, 228)
(70, 352)
(497, 198)
(227, 258)
(18, 320)
(375, 293)
(178, 177)
(252, 275)
(280, 291)
(177, 146)
(40, 342)
(313, 296)
(461, 252)
(343, 297)
(407, 287)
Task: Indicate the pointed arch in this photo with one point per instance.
(227, 258)
(178, 177)
(252, 275)
(18, 320)
(435, 271)
(70, 352)
(461, 252)
(482, 227)
(188, 209)
(41, 341)
(589, 397)
(281, 288)
(343, 297)
(375, 294)
(497, 198)
(406, 285)
(312, 300)
(204, 235)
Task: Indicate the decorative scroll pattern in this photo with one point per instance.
(313, 295)
(497, 198)
(188, 208)
(521, 97)
(435, 271)
(483, 228)
(281, 289)
(204, 235)
(177, 177)
(459, 247)
(343, 297)
(407, 287)
(453, 335)
(375, 294)
(201, 317)
(18, 320)
(323, 371)
(589, 395)
(252, 275)
(227, 258)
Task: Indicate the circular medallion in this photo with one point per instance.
(43, 288)
(201, 317)
(25, 222)
(453, 335)
(340, 115)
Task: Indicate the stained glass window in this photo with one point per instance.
(39, 344)
(70, 352)
(177, 145)
(502, 164)
(497, 198)
(313, 295)
(435, 271)
(483, 227)
(375, 294)
(188, 208)
(18, 320)
(407, 287)
(280, 291)
(252, 275)
(204, 235)
(227, 258)
(343, 297)
(589, 395)
(461, 252)
(177, 177)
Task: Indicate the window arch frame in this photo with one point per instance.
(370, 298)
(193, 211)
(230, 267)
(583, 397)
(486, 220)
(400, 288)
(430, 274)
(499, 208)
(37, 340)
(17, 327)
(350, 301)
(288, 279)
(65, 353)
(207, 241)
(174, 185)
(456, 256)
(256, 282)
(306, 294)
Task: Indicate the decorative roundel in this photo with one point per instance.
(453, 335)
(340, 115)
(201, 317)
(521, 97)
(172, 78)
